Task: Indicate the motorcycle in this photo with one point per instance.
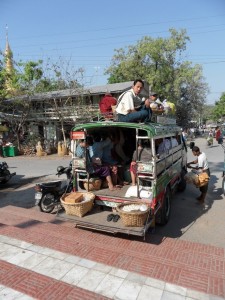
(5, 174)
(48, 194)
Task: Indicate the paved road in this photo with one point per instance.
(189, 221)
(19, 190)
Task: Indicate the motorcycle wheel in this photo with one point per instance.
(47, 203)
(6, 173)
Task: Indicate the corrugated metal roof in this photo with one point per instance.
(95, 90)
(117, 88)
(113, 88)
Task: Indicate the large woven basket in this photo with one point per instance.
(133, 218)
(81, 208)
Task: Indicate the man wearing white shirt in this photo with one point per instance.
(203, 166)
(130, 107)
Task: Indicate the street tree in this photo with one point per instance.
(73, 105)
(219, 109)
(17, 82)
(207, 113)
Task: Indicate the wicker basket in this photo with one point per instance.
(81, 208)
(133, 218)
(94, 184)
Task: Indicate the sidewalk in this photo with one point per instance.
(42, 257)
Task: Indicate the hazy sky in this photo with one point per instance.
(87, 32)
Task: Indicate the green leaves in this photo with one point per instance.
(219, 109)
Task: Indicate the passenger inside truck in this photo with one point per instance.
(174, 141)
(83, 150)
(163, 146)
(142, 154)
(118, 140)
(103, 150)
(159, 147)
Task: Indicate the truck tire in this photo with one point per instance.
(182, 184)
(166, 208)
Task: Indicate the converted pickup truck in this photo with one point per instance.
(157, 179)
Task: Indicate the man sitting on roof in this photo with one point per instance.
(130, 108)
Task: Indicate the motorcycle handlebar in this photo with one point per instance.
(64, 171)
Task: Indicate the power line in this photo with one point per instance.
(122, 36)
(128, 26)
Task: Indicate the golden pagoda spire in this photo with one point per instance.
(9, 67)
(8, 55)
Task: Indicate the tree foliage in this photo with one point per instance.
(21, 80)
(160, 62)
(207, 113)
(15, 113)
(219, 109)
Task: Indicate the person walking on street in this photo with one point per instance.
(219, 137)
(130, 107)
(202, 167)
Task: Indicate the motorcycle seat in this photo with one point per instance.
(52, 184)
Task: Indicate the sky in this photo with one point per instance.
(84, 34)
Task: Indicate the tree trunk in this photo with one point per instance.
(18, 141)
(62, 147)
(63, 133)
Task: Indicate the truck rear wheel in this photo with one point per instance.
(166, 207)
(182, 184)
